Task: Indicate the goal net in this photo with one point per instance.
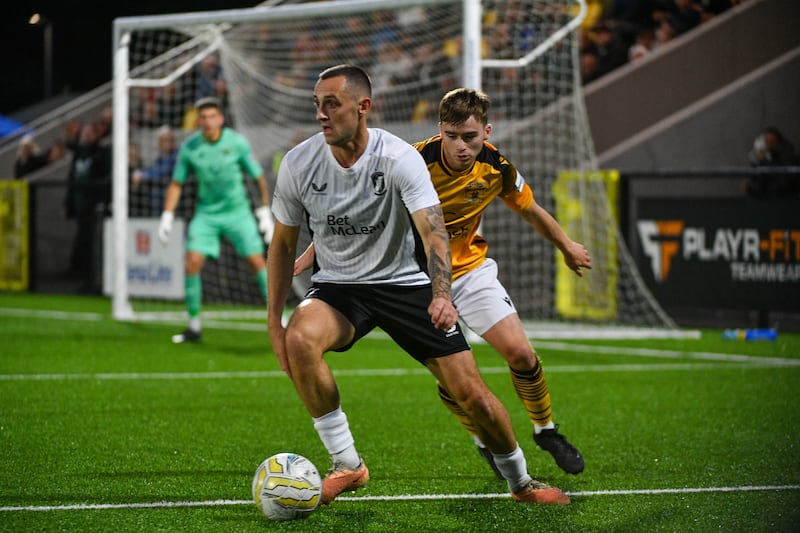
(263, 62)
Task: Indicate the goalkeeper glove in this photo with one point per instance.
(165, 226)
(265, 223)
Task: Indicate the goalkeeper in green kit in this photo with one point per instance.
(217, 156)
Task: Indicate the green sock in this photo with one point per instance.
(261, 276)
(194, 294)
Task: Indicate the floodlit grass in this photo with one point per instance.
(106, 426)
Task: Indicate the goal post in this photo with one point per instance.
(263, 62)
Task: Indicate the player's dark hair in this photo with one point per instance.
(208, 101)
(459, 104)
(357, 78)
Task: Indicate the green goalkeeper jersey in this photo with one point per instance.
(218, 168)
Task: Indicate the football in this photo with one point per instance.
(287, 486)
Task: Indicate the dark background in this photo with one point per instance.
(82, 36)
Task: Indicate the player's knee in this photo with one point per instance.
(299, 342)
(521, 358)
(193, 264)
(479, 403)
(256, 263)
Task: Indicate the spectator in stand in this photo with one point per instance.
(151, 181)
(209, 76)
(72, 133)
(772, 149)
(210, 82)
(664, 33)
(684, 15)
(88, 196)
(644, 44)
(393, 67)
(429, 63)
(660, 11)
(58, 151)
(636, 13)
(590, 69)
(386, 29)
(172, 105)
(103, 125)
(641, 26)
(29, 157)
(711, 8)
(144, 109)
(609, 48)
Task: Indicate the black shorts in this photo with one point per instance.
(402, 312)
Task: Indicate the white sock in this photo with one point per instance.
(538, 429)
(478, 442)
(334, 432)
(514, 469)
(194, 323)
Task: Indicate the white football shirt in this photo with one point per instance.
(360, 216)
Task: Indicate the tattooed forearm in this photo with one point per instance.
(440, 273)
(438, 251)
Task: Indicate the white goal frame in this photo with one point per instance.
(473, 65)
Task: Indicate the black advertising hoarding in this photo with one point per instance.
(729, 252)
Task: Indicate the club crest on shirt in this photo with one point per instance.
(475, 191)
(378, 183)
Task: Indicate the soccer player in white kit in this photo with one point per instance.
(382, 260)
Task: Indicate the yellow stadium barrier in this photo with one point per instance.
(14, 229)
(586, 207)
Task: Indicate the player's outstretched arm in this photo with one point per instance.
(430, 225)
(576, 257)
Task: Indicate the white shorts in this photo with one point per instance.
(480, 299)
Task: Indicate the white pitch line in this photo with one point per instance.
(666, 354)
(401, 497)
(629, 492)
(48, 313)
(543, 344)
(376, 372)
(534, 331)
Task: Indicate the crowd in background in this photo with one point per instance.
(614, 33)
(620, 31)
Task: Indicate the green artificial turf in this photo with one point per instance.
(107, 426)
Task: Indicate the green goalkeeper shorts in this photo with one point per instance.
(239, 227)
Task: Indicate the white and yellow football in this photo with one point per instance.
(287, 486)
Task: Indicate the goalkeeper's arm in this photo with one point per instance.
(171, 199)
(266, 224)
